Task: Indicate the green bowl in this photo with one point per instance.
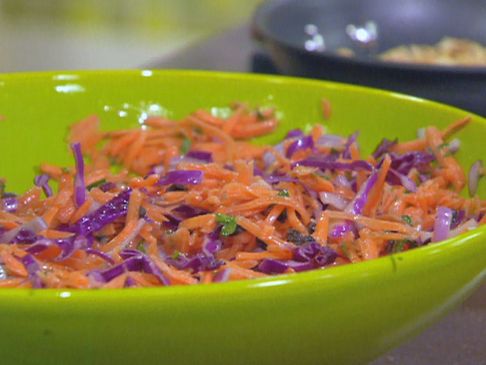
(347, 314)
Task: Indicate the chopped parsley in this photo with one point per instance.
(221, 112)
(284, 193)
(186, 145)
(397, 246)
(228, 222)
(298, 238)
(345, 250)
(407, 219)
(141, 247)
(96, 184)
(444, 145)
(322, 174)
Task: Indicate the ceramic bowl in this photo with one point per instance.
(342, 315)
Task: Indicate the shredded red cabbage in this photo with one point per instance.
(107, 186)
(334, 200)
(294, 133)
(196, 263)
(104, 256)
(70, 245)
(357, 205)
(314, 252)
(39, 246)
(130, 283)
(33, 268)
(330, 141)
(395, 178)
(79, 184)
(27, 233)
(457, 218)
(306, 257)
(42, 181)
(106, 214)
(133, 261)
(200, 155)
(351, 139)
(172, 222)
(276, 178)
(9, 202)
(271, 266)
(300, 143)
(442, 225)
(24, 236)
(328, 163)
(182, 177)
(185, 211)
(340, 230)
(405, 162)
(384, 147)
(222, 276)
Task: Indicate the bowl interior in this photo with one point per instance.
(37, 110)
(283, 319)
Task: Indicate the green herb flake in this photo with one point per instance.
(176, 255)
(308, 128)
(443, 145)
(221, 112)
(284, 193)
(322, 175)
(96, 184)
(345, 250)
(228, 222)
(298, 238)
(141, 247)
(186, 145)
(407, 219)
(398, 246)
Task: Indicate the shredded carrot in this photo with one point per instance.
(195, 201)
(326, 108)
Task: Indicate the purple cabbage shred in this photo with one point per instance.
(300, 143)
(106, 214)
(79, 183)
(182, 177)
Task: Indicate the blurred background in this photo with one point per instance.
(87, 34)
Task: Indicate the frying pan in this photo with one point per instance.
(302, 36)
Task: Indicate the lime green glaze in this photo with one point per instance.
(342, 315)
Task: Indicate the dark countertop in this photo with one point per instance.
(457, 339)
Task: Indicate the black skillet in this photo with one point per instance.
(285, 28)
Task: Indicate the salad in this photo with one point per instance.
(195, 202)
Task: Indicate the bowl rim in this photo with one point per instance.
(349, 271)
(261, 33)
